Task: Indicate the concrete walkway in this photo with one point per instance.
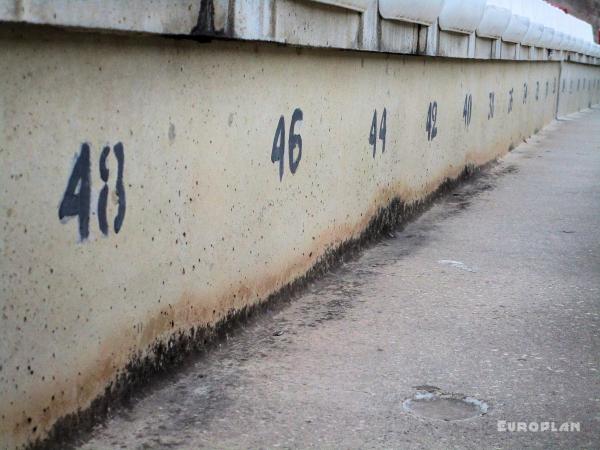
(492, 293)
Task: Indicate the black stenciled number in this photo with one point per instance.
(537, 91)
(547, 89)
(78, 203)
(524, 93)
(294, 140)
(119, 189)
(278, 150)
(373, 133)
(510, 99)
(103, 198)
(431, 125)
(492, 97)
(468, 109)
(382, 131)
(564, 85)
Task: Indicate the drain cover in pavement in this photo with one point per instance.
(434, 404)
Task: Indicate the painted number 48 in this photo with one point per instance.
(77, 196)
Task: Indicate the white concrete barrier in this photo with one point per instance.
(556, 19)
(355, 5)
(547, 37)
(393, 26)
(531, 10)
(518, 24)
(424, 12)
(495, 20)
(461, 16)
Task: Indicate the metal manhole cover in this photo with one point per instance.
(435, 404)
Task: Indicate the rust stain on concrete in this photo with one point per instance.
(191, 311)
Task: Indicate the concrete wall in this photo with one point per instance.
(207, 223)
(579, 88)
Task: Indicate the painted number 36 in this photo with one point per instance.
(76, 199)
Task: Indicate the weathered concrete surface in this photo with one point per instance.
(514, 321)
(146, 16)
(349, 24)
(575, 88)
(210, 224)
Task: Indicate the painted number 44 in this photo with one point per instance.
(382, 131)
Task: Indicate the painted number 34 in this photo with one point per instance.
(77, 196)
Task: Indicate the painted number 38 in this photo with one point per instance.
(77, 196)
